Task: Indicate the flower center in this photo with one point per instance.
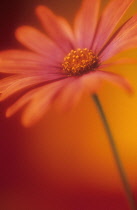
(79, 62)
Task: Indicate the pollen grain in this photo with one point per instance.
(79, 62)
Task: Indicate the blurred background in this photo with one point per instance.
(64, 162)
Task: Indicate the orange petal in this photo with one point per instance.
(124, 61)
(37, 107)
(39, 98)
(13, 86)
(70, 94)
(115, 79)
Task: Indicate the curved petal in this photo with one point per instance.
(115, 79)
(124, 61)
(91, 82)
(37, 107)
(5, 82)
(21, 102)
(57, 28)
(38, 42)
(109, 19)
(21, 62)
(27, 63)
(18, 84)
(124, 38)
(86, 22)
(66, 27)
(40, 100)
(70, 94)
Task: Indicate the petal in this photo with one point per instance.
(57, 28)
(27, 63)
(40, 100)
(66, 27)
(21, 102)
(37, 107)
(115, 79)
(86, 22)
(38, 42)
(124, 38)
(5, 82)
(109, 19)
(91, 82)
(19, 61)
(124, 61)
(14, 84)
(70, 94)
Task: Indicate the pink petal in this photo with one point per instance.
(66, 27)
(57, 28)
(115, 79)
(109, 19)
(27, 63)
(86, 22)
(12, 85)
(40, 99)
(37, 107)
(38, 42)
(5, 82)
(21, 102)
(125, 38)
(22, 62)
(69, 95)
(91, 82)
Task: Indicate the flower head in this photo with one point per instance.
(61, 63)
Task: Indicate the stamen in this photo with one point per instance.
(79, 62)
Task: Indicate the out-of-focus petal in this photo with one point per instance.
(86, 22)
(38, 106)
(20, 62)
(124, 61)
(57, 28)
(125, 38)
(39, 100)
(65, 26)
(27, 63)
(38, 42)
(5, 82)
(109, 19)
(16, 84)
(70, 94)
(21, 102)
(115, 79)
(91, 82)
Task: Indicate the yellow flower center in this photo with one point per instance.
(79, 62)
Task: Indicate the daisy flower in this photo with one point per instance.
(61, 64)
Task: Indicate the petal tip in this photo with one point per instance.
(40, 9)
(19, 31)
(8, 114)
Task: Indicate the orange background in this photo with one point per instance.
(64, 162)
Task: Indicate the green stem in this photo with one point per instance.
(120, 168)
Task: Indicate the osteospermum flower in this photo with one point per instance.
(60, 63)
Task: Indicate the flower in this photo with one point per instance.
(62, 63)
